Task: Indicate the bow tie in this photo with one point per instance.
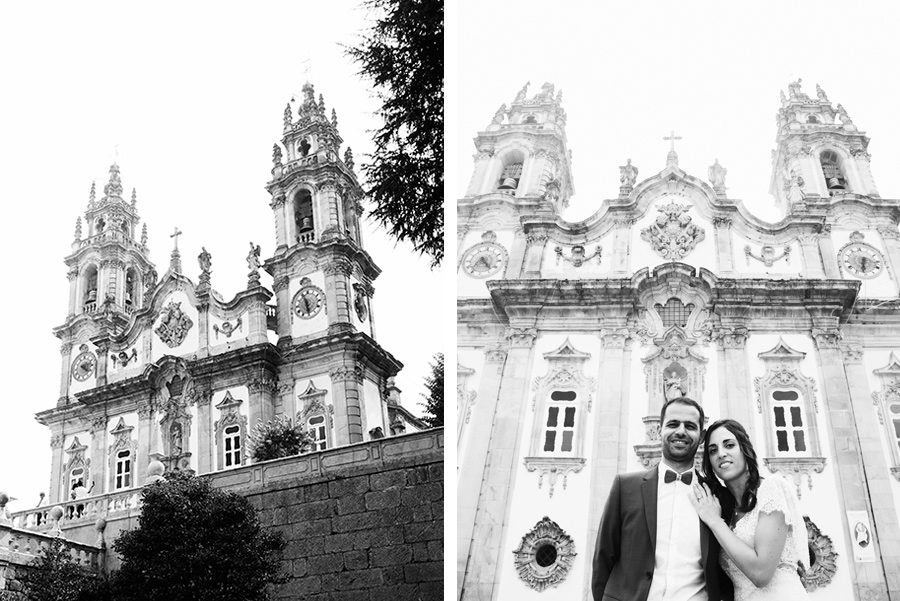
(671, 476)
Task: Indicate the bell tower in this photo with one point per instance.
(523, 154)
(819, 152)
(108, 268)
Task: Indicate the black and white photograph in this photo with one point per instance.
(678, 265)
(224, 240)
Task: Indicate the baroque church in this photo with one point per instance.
(571, 335)
(161, 373)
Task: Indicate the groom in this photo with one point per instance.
(651, 545)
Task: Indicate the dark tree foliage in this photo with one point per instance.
(277, 438)
(55, 576)
(196, 543)
(403, 55)
(434, 400)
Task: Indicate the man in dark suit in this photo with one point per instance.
(651, 545)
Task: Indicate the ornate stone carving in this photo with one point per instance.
(889, 232)
(97, 424)
(827, 338)
(722, 222)
(732, 337)
(122, 358)
(339, 267)
(495, 354)
(56, 441)
(545, 555)
(578, 257)
(795, 468)
(360, 302)
(824, 558)
(853, 353)
(280, 283)
(628, 174)
(145, 411)
(227, 328)
(536, 238)
(673, 235)
(615, 338)
(465, 398)
(351, 373)
(551, 468)
(767, 255)
(520, 337)
(263, 383)
(174, 325)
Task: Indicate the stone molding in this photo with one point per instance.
(552, 468)
(280, 283)
(824, 567)
(734, 337)
(796, 468)
(520, 337)
(56, 441)
(263, 383)
(615, 338)
(495, 354)
(347, 373)
(827, 338)
(545, 532)
(339, 267)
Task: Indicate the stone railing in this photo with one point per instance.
(79, 511)
(308, 237)
(21, 547)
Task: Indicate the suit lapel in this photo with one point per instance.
(648, 492)
(704, 532)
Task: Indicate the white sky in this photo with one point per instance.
(633, 71)
(193, 96)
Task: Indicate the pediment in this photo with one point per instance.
(782, 351)
(567, 352)
(76, 446)
(228, 401)
(891, 369)
(121, 428)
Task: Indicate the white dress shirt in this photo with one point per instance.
(678, 573)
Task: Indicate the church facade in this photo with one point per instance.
(571, 335)
(160, 368)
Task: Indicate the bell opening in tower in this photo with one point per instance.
(303, 215)
(831, 169)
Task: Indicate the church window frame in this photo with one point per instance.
(887, 403)
(508, 179)
(231, 446)
(785, 387)
(122, 474)
(317, 416)
(90, 279)
(230, 415)
(122, 443)
(77, 467)
(562, 400)
(674, 313)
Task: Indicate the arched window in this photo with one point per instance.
(303, 147)
(674, 313)
(101, 224)
(90, 288)
(303, 216)
(123, 470)
(232, 446)
(529, 120)
(510, 176)
(831, 169)
(812, 119)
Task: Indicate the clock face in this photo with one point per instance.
(83, 366)
(861, 260)
(308, 302)
(484, 260)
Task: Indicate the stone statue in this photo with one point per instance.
(546, 93)
(674, 387)
(821, 93)
(205, 260)
(520, 97)
(717, 175)
(783, 97)
(628, 174)
(842, 113)
(794, 89)
(177, 440)
(795, 187)
(276, 155)
(253, 257)
(348, 158)
(499, 115)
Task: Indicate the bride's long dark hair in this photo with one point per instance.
(748, 501)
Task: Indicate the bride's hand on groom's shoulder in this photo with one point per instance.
(705, 503)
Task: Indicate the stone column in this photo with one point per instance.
(203, 323)
(205, 443)
(329, 203)
(488, 547)
(829, 258)
(516, 256)
(847, 455)
(610, 431)
(890, 237)
(724, 250)
(471, 464)
(102, 344)
(479, 172)
(146, 442)
(278, 208)
(282, 299)
(337, 295)
(98, 454)
(262, 398)
(876, 470)
(73, 291)
(56, 451)
(734, 375)
(65, 351)
(621, 250)
(534, 253)
(346, 381)
(812, 258)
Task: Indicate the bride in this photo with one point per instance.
(766, 536)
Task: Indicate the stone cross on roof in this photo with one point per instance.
(672, 158)
(175, 235)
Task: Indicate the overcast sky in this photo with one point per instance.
(633, 71)
(192, 96)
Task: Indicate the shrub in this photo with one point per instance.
(277, 438)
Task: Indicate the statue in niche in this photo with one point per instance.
(674, 387)
(628, 174)
(176, 440)
(795, 187)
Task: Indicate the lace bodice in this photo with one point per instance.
(785, 584)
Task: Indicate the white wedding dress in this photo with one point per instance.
(774, 494)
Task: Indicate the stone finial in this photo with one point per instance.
(175, 258)
(205, 260)
(845, 118)
(78, 228)
(276, 155)
(55, 515)
(144, 235)
(4, 514)
(114, 187)
(100, 526)
(821, 94)
(155, 471)
(93, 197)
(309, 94)
(520, 97)
(253, 265)
(133, 197)
(499, 115)
(348, 158)
(321, 105)
(333, 118)
(287, 116)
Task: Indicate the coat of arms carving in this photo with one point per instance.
(673, 235)
(174, 325)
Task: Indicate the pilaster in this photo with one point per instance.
(332, 223)
(65, 351)
(203, 323)
(850, 475)
(346, 381)
(145, 443)
(278, 209)
(734, 375)
(461, 232)
(812, 258)
(829, 258)
(724, 251)
(283, 302)
(890, 237)
(99, 447)
(470, 480)
(72, 274)
(534, 253)
(486, 556)
(517, 256)
(262, 398)
(621, 250)
(56, 461)
(205, 443)
(337, 293)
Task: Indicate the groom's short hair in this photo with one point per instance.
(685, 400)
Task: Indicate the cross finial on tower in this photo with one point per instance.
(175, 259)
(672, 158)
(672, 137)
(175, 235)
